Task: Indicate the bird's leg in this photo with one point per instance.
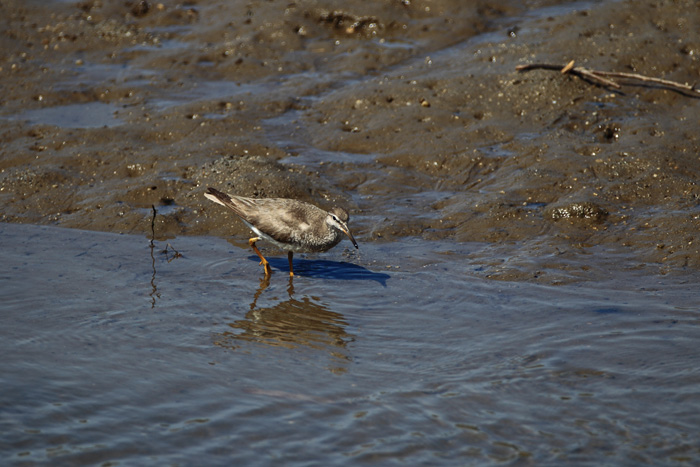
(263, 261)
(291, 269)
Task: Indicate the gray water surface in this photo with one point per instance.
(115, 352)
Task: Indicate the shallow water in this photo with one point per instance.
(114, 351)
(88, 115)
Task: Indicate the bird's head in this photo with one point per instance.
(338, 219)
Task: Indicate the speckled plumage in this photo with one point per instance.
(291, 225)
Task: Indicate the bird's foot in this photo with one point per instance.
(268, 269)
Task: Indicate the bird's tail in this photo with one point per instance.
(218, 197)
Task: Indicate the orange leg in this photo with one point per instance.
(263, 261)
(291, 268)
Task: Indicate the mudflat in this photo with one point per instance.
(410, 114)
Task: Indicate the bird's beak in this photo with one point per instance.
(352, 239)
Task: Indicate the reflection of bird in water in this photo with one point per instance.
(289, 224)
(292, 323)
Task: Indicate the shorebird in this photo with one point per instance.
(288, 224)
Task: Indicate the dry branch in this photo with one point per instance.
(604, 77)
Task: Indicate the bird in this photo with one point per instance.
(289, 224)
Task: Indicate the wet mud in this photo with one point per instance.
(409, 114)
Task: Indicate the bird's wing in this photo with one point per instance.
(285, 225)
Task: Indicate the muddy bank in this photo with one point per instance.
(411, 114)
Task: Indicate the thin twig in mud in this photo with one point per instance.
(603, 77)
(153, 225)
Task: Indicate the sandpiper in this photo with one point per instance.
(288, 224)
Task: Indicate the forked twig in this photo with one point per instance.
(176, 254)
(604, 77)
